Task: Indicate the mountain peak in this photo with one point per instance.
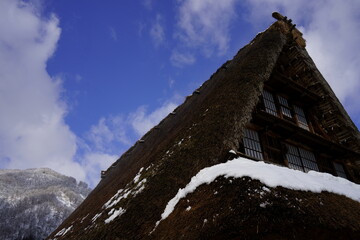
(33, 202)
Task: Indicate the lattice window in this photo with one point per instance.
(301, 159)
(269, 103)
(309, 160)
(252, 144)
(284, 106)
(300, 115)
(339, 169)
(279, 106)
(293, 158)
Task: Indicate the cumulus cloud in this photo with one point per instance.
(142, 121)
(32, 128)
(106, 133)
(114, 131)
(206, 24)
(93, 162)
(33, 132)
(102, 145)
(157, 31)
(330, 28)
(331, 42)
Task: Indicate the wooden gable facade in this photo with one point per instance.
(299, 122)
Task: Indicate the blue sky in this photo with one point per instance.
(81, 81)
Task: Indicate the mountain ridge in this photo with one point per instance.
(35, 201)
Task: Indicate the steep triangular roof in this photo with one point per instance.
(131, 197)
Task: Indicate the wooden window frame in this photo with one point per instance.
(269, 102)
(279, 105)
(284, 107)
(340, 172)
(301, 118)
(303, 157)
(252, 144)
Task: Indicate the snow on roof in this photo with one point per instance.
(63, 231)
(270, 175)
(114, 213)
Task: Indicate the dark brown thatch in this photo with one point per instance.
(208, 124)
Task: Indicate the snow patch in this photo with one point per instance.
(132, 189)
(270, 175)
(115, 199)
(64, 199)
(82, 220)
(150, 166)
(122, 194)
(141, 188)
(232, 152)
(115, 213)
(63, 231)
(264, 204)
(96, 217)
(137, 177)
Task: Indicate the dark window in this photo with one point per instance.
(339, 169)
(300, 159)
(284, 106)
(281, 107)
(300, 115)
(272, 149)
(269, 103)
(252, 145)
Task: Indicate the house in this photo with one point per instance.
(269, 104)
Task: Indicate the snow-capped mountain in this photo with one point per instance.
(34, 202)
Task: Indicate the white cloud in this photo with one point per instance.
(157, 31)
(206, 24)
(100, 135)
(107, 133)
(332, 41)
(179, 59)
(142, 121)
(331, 30)
(33, 132)
(32, 128)
(93, 162)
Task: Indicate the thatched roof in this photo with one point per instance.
(205, 127)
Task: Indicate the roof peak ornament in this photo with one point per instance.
(297, 35)
(280, 17)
